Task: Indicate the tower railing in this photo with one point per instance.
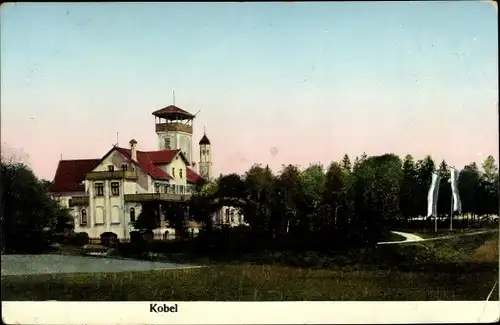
(174, 126)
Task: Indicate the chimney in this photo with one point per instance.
(133, 149)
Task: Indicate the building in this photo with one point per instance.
(105, 195)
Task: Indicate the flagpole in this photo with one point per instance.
(435, 222)
(451, 213)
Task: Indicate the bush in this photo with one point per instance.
(109, 239)
(79, 239)
(135, 236)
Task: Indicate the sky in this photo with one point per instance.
(274, 83)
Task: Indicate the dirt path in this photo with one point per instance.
(415, 238)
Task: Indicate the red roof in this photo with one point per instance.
(172, 110)
(145, 162)
(71, 173)
(149, 161)
(193, 177)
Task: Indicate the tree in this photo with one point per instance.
(334, 200)
(488, 201)
(148, 219)
(377, 191)
(408, 194)
(313, 182)
(346, 164)
(231, 188)
(201, 205)
(289, 204)
(468, 188)
(29, 216)
(444, 196)
(490, 170)
(259, 191)
(176, 215)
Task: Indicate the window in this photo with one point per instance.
(132, 214)
(83, 217)
(167, 144)
(180, 173)
(181, 189)
(231, 215)
(99, 189)
(227, 215)
(115, 188)
(124, 167)
(157, 188)
(166, 188)
(111, 168)
(173, 172)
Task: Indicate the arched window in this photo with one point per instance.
(83, 217)
(231, 214)
(132, 214)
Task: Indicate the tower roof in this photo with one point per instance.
(204, 140)
(173, 112)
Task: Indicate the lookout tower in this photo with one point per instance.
(174, 127)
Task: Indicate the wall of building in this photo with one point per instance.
(229, 216)
(178, 165)
(177, 140)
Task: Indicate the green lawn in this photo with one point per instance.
(425, 271)
(448, 232)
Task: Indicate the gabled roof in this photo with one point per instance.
(149, 161)
(71, 173)
(172, 111)
(146, 163)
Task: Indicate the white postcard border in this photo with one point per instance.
(333, 312)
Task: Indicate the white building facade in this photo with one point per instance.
(106, 195)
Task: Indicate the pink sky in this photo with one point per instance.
(408, 78)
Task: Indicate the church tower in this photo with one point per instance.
(205, 166)
(174, 127)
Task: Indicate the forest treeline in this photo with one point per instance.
(348, 202)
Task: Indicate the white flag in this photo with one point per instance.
(457, 204)
(432, 196)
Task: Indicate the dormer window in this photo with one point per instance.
(111, 168)
(124, 167)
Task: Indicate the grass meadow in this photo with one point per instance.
(462, 268)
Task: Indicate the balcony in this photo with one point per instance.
(119, 174)
(174, 126)
(150, 197)
(79, 200)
